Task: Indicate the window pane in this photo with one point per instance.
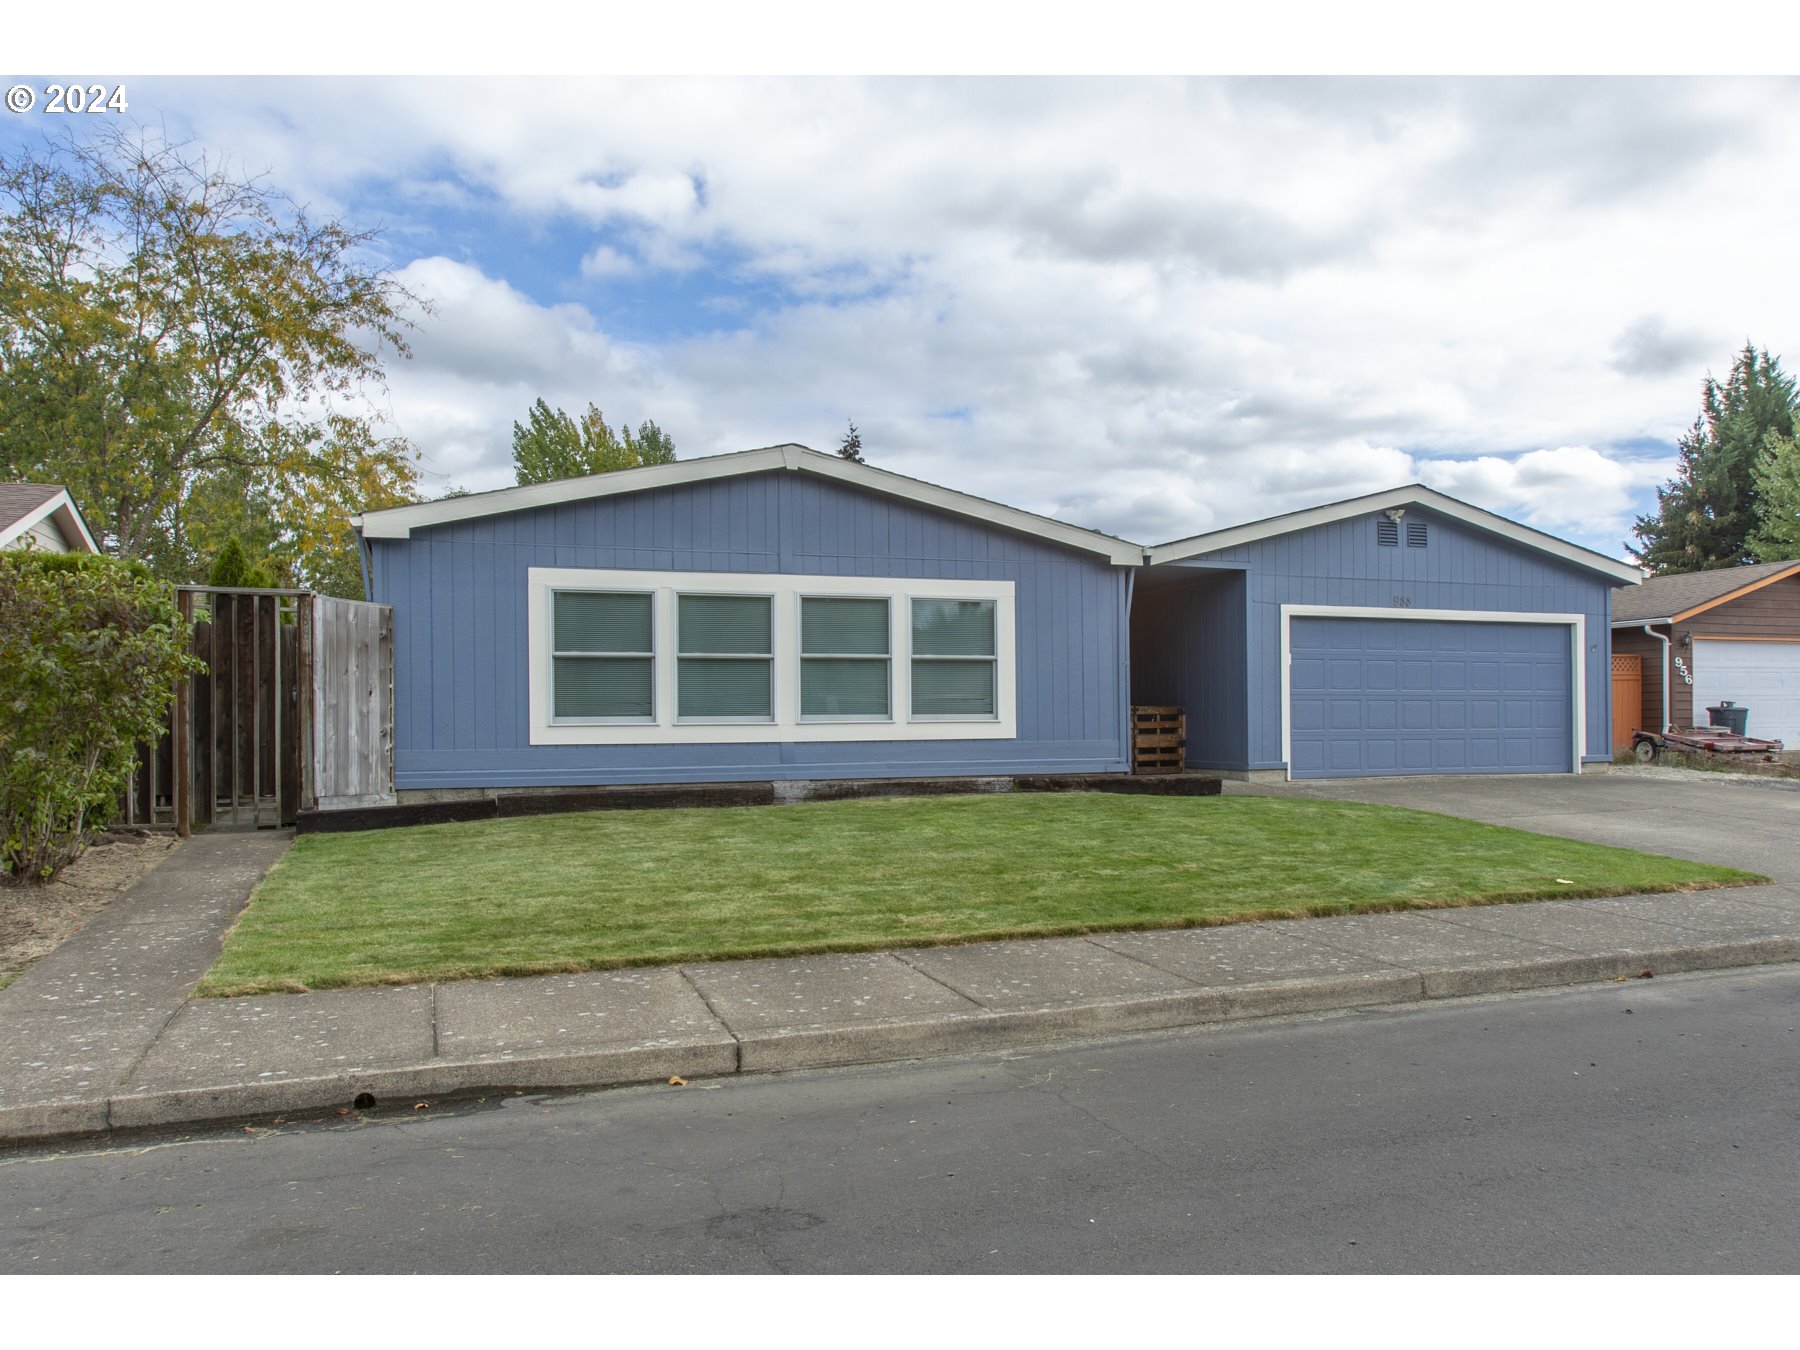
(727, 624)
(614, 686)
(952, 688)
(844, 627)
(602, 623)
(843, 688)
(953, 627)
(724, 688)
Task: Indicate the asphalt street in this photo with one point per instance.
(1644, 1126)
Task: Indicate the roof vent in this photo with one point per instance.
(1415, 534)
(1387, 533)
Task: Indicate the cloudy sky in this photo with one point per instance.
(1152, 306)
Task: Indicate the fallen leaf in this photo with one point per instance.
(421, 1106)
(1647, 975)
(675, 1080)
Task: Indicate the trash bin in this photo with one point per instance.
(1728, 715)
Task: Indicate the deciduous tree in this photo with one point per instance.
(185, 347)
(550, 445)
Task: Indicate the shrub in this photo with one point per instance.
(90, 651)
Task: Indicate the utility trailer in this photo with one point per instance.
(1647, 745)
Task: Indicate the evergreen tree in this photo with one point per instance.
(1705, 516)
(1776, 537)
(234, 567)
(850, 447)
(551, 445)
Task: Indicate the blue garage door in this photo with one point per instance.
(1397, 696)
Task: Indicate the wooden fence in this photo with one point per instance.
(293, 710)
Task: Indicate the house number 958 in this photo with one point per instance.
(1402, 602)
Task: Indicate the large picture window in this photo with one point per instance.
(726, 656)
(844, 657)
(638, 657)
(603, 656)
(954, 658)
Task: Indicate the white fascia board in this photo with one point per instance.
(68, 520)
(1638, 623)
(1414, 495)
(399, 522)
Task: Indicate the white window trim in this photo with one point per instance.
(788, 725)
(1576, 624)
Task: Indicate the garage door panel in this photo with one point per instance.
(1761, 676)
(1474, 697)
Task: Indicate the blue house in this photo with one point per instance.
(773, 614)
(786, 614)
(1405, 632)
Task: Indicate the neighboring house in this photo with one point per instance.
(39, 515)
(786, 614)
(1700, 638)
(1400, 633)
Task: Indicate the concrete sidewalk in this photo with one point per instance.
(101, 1034)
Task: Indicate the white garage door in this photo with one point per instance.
(1761, 676)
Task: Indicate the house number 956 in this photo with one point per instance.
(1402, 602)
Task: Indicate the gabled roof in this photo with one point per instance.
(23, 505)
(400, 521)
(1674, 598)
(1414, 494)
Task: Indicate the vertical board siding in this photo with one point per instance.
(1187, 651)
(460, 631)
(1462, 568)
(352, 697)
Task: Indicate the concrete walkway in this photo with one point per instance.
(101, 1034)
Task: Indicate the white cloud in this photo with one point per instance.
(1570, 490)
(1153, 306)
(607, 261)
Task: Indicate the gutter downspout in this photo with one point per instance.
(1663, 729)
(362, 556)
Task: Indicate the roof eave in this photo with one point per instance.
(1737, 594)
(1415, 494)
(68, 519)
(399, 522)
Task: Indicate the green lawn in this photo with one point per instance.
(624, 888)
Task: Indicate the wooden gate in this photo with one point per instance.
(352, 696)
(294, 709)
(1627, 697)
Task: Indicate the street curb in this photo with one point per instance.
(722, 1054)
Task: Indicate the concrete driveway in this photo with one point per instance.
(1708, 817)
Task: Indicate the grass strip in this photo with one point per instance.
(611, 889)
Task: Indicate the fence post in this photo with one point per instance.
(304, 658)
(181, 742)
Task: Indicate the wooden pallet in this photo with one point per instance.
(1158, 740)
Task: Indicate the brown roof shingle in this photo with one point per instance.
(18, 500)
(1665, 597)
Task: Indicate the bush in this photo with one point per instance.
(90, 651)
